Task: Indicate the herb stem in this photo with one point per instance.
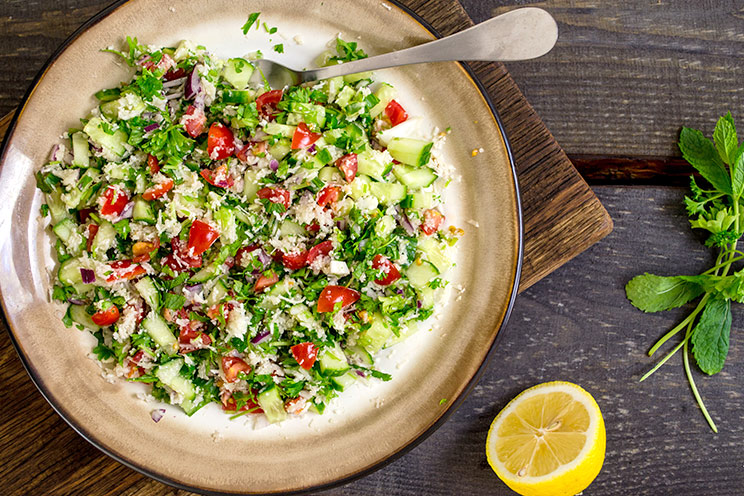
(663, 360)
(690, 318)
(690, 379)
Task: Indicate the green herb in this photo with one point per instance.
(279, 48)
(249, 23)
(719, 212)
(443, 401)
(347, 51)
(174, 301)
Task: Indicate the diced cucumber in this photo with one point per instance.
(57, 208)
(344, 96)
(360, 186)
(250, 184)
(385, 94)
(420, 275)
(69, 272)
(237, 96)
(330, 174)
(190, 406)
(312, 114)
(218, 293)
(418, 200)
(225, 218)
(427, 297)
(272, 405)
(344, 381)
(143, 211)
(385, 226)
(279, 289)
(206, 273)
(434, 251)
(105, 239)
(170, 374)
(375, 337)
(147, 290)
(237, 72)
(343, 207)
(110, 109)
(406, 331)
(410, 151)
(185, 206)
(90, 180)
(353, 78)
(128, 106)
(79, 315)
(291, 228)
(113, 143)
(414, 177)
(410, 128)
(374, 164)
(66, 230)
(333, 361)
(280, 149)
(302, 314)
(80, 150)
(361, 356)
(388, 193)
(274, 128)
(159, 331)
(333, 86)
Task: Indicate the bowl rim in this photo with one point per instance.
(402, 450)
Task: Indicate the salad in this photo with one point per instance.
(227, 242)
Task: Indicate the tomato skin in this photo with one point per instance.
(305, 354)
(295, 261)
(106, 317)
(348, 164)
(113, 201)
(433, 218)
(231, 366)
(266, 102)
(201, 237)
(274, 195)
(320, 250)
(220, 141)
(395, 112)
(230, 405)
(390, 270)
(92, 231)
(218, 177)
(124, 269)
(194, 121)
(188, 334)
(314, 227)
(302, 137)
(158, 190)
(328, 195)
(264, 282)
(153, 164)
(336, 294)
(180, 259)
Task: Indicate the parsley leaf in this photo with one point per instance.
(279, 48)
(249, 23)
(347, 51)
(173, 301)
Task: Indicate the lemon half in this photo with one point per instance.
(548, 441)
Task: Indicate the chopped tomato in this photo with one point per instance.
(242, 252)
(319, 250)
(390, 271)
(194, 121)
(305, 354)
(395, 113)
(232, 366)
(252, 149)
(229, 405)
(180, 259)
(219, 308)
(158, 190)
(166, 63)
(302, 137)
(336, 294)
(432, 220)
(190, 333)
(314, 227)
(138, 307)
(201, 237)
(266, 102)
(264, 282)
(153, 164)
(218, 176)
(92, 230)
(220, 141)
(348, 164)
(295, 405)
(106, 317)
(328, 195)
(113, 201)
(124, 269)
(294, 261)
(137, 357)
(275, 195)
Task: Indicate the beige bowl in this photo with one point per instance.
(370, 426)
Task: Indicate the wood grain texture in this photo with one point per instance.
(41, 455)
(626, 74)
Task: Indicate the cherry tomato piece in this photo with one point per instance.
(107, 316)
(124, 269)
(232, 366)
(266, 102)
(328, 195)
(294, 261)
(153, 164)
(274, 195)
(264, 282)
(92, 230)
(113, 201)
(305, 354)
(218, 176)
(395, 113)
(158, 190)
(433, 218)
(348, 164)
(303, 137)
(336, 294)
(201, 237)
(320, 250)
(220, 141)
(390, 271)
(194, 121)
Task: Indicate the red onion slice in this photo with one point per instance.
(192, 86)
(88, 275)
(157, 414)
(274, 164)
(76, 301)
(152, 127)
(260, 337)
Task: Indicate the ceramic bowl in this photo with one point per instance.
(370, 425)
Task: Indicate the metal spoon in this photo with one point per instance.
(520, 34)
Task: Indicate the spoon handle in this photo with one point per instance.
(520, 34)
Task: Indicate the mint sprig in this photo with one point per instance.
(719, 211)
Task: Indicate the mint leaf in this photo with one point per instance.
(724, 136)
(710, 338)
(703, 156)
(249, 23)
(652, 293)
(737, 175)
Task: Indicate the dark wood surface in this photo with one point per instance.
(623, 78)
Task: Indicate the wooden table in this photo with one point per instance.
(622, 80)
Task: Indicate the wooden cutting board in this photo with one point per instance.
(40, 454)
